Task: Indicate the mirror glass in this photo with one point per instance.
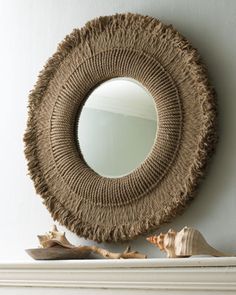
(117, 127)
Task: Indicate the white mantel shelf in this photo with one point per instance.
(163, 275)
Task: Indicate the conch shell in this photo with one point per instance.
(184, 243)
(53, 238)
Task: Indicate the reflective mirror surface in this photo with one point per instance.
(117, 127)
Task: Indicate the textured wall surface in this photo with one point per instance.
(30, 31)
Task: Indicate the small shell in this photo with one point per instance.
(53, 238)
(165, 242)
(185, 243)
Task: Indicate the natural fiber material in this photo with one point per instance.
(156, 55)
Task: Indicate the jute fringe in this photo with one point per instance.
(145, 49)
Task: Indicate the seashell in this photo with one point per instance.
(184, 243)
(53, 238)
(165, 242)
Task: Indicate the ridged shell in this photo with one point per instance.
(184, 243)
(53, 238)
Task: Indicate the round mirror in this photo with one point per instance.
(117, 127)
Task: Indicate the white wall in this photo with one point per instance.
(30, 31)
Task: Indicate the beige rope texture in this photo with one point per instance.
(123, 45)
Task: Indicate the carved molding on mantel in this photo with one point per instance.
(159, 275)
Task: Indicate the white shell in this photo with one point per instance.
(184, 243)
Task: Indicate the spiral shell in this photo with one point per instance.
(184, 243)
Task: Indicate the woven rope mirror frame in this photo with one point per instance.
(156, 55)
